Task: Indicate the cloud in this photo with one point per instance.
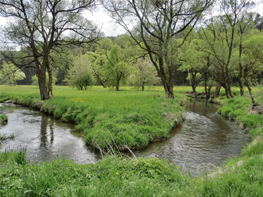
(103, 20)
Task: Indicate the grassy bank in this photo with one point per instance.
(242, 176)
(108, 119)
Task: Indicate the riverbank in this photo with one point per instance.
(109, 120)
(240, 176)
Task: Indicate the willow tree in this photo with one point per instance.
(221, 34)
(41, 26)
(154, 24)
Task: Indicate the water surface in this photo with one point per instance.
(205, 138)
(42, 136)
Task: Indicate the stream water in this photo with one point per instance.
(204, 138)
(42, 136)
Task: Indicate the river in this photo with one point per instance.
(205, 139)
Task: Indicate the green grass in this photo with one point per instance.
(114, 176)
(3, 119)
(110, 177)
(108, 119)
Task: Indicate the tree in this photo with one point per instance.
(35, 80)
(193, 61)
(252, 59)
(220, 36)
(143, 73)
(80, 75)
(97, 64)
(116, 68)
(9, 74)
(154, 24)
(244, 25)
(42, 26)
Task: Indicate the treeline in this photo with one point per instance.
(167, 43)
(110, 62)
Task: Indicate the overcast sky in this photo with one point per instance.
(101, 18)
(108, 28)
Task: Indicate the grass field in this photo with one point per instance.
(114, 176)
(108, 119)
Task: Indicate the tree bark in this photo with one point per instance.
(42, 83)
(241, 83)
(50, 81)
(143, 85)
(241, 73)
(254, 103)
(167, 83)
(217, 91)
(117, 86)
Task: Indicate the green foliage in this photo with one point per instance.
(97, 62)
(116, 68)
(143, 74)
(80, 75)
(35, 80)
(9, 74)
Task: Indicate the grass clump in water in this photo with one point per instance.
(3, 119)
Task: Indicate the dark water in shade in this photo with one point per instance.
(42, 136)
(204, 138)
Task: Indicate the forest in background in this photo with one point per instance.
(167, 43)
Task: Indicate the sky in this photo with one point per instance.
(103, 20)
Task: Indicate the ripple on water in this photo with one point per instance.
(42, 136)
(204, 138)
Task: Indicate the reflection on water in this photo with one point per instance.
(42, 136)
(204, 138)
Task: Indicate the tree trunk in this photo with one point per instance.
(217, 91)
(193, 87)
(143, 85)
(193, 82)
(50, 81)
(208, 92)
(117, 86)
(227, 87)
(42, 83)
(241, 83)
(167, 83)
(254, 103)
(241, 73)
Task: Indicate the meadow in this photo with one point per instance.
(115, 176)
(127, 119)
